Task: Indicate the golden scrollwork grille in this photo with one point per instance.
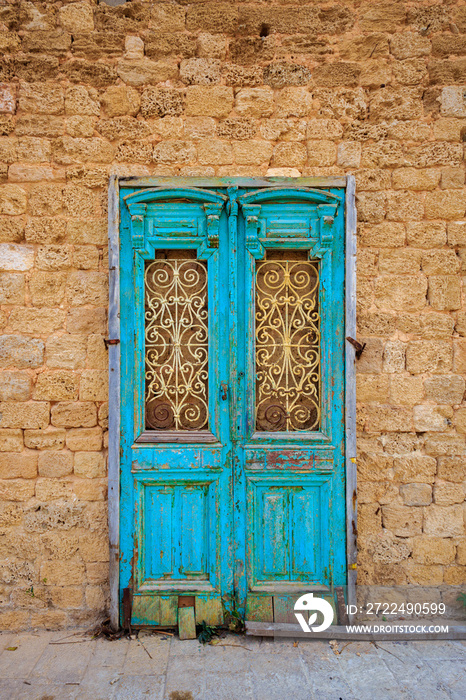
(287, 339)
(176, 342)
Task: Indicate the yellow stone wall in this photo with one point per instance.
(292, 87)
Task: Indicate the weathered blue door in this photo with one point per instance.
(232, 421)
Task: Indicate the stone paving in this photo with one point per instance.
(67, 665)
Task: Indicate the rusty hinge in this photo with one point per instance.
(357, 345)
(111, 341)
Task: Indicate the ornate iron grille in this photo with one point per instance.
(287, 343)
(176, 343)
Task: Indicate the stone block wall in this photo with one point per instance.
(292, 87)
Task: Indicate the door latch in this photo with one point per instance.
(223, 391)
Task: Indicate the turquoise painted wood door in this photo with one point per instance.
(232, 418)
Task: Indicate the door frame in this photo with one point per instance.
(117, 183)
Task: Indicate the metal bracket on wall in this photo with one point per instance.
(357, 345)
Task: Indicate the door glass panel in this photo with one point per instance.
(176, 342)
(287, 337)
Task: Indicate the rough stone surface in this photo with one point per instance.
(253, 89)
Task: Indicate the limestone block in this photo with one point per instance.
(400, 103)
(403, 521)
(87, 287)
(211, 101)
(41, 98)
(49, 439)
(372, 387)
(166, 17)
(349, 154)
(97, 572)
(56, 386)
(413, 179)
(17, 489)
(76, 18)
(429, 155)
(452, 469)
(67, 596)
(7, 99)
(406, 390)
(87, 232)
(294, 102)
(370, 180)
(36, 321)
(393, 292)
(45, 230)
(460, 420)
(429, 356)
(404, 206)
(440, 262)
(12, 200)
(24, 415)
(34, 150)
(93, 547)
(416, 494)
(66, 351)
(446, 389)
(448, 129)
(423, 575)
(433, 550)
(14, 386)
(86, 257)
(80, 126)
(52, 257)
(415, 469)
(91, 489)
(371, 359)
(426, 234)
(143, 71)
(453, 102)
(81, 100)
(211, 45)
(200, 71)
(11, 440)
(86, 321)
(394, 356)
(20, 352)
(47, 288)
(389, 418)
(178, 152)
(93, 385)
(452, 178)
(320, 153)
(444, 292)
(119, 100)
(447, 493)
(55, 464)
(62, 573)
(69, 150)
(455, 575)
(73, 414)
(252, 152)
(291, 154)
(11, 229)
(399, 261)
(18, 466)
(432, 418)
(459, 356)
(89, 465)
(385, 234)
(445, 204)
(409, 45)
(448, 444)
(254, 102)
(461, 553)
(444, 521)
(84, 439)
(95, 598)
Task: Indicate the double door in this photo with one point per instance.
(232, 400)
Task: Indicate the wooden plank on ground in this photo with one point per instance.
(186, 623)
